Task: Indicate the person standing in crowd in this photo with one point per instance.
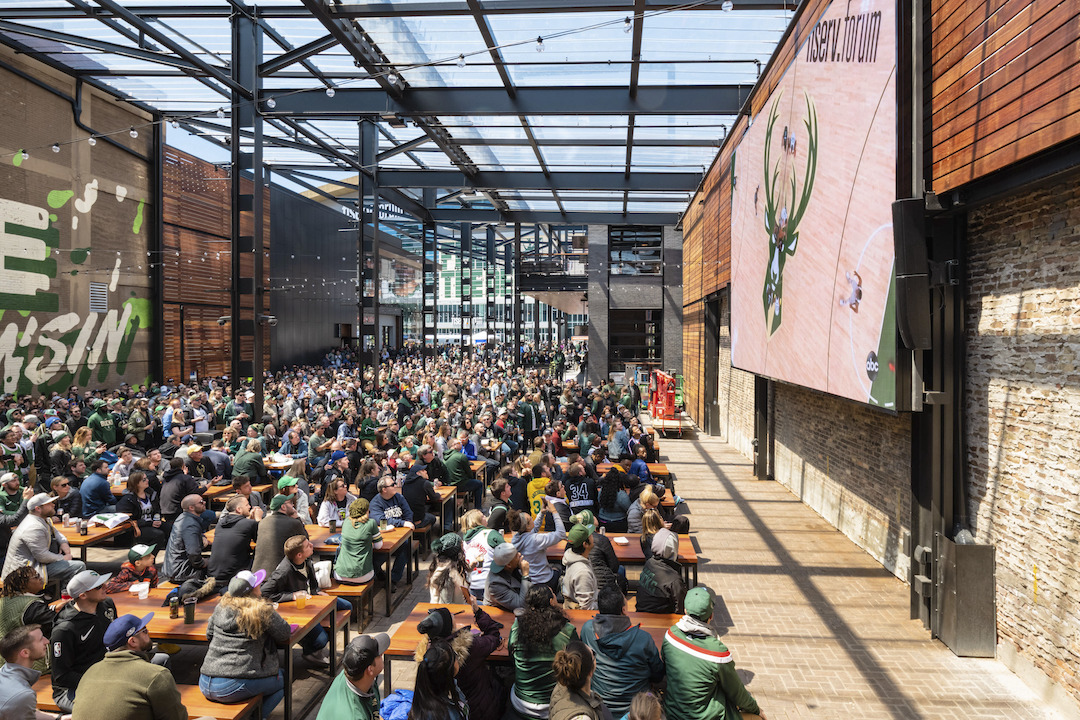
(245, 634)
(136, 688)
(354, 693)
(701, 677)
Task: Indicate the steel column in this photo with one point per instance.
(519, 302)
(369, 251)
(465, 265)
(431, 293)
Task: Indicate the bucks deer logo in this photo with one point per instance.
(785, 206)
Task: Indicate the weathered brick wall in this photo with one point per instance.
(1023, 414)
(851, 464)
(735, 391)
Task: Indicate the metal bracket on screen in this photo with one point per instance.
(944, 273)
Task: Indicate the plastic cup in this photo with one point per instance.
(301, 600)
(144, 592)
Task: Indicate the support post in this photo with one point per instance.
(519, 301)
(430, 336)
(465, 250)
(489, 290)
(246, 325)
(368, 256)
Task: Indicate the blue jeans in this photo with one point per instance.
(316, 639)
(476, 488)
(234, 690)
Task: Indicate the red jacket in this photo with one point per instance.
(128, 576)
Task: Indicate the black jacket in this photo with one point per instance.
(274, 530)
(176, 486)
(232, 547)
(660, 587)
(288, 579)
(78, 641)
(419, 493)
(72, 504)
(183, 553)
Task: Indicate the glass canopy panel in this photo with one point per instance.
(208, 38)
(510, 155)
(542, 206)
(712, 35)
(707, 127)
(677, 158)
(666, 73)
(568, 39)
(430, 47)
(615, 206)
(570, 158)
(592, 127)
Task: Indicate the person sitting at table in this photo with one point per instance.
(36, 542)
(140, 567)
(484, 691)
(68, 501)
(660, 585)
(579, 582)
(701, 677)
(388, 505)
(639, 468)
(184, 551)
(236, 529)
(354, 694)
(219, 458)
(605, 564)
(281, 524)
(241, 484)
(96, 493)
(368, 480)
(294, 486)
(294, 446)
(627, 661)
(336, 468)
(176, 485)
(245, 633)
(78, 638)
(200, 467)
(136, 685)
(508, 582)
(647, 500)
(573, 697)
(449, 572)
(460, 474)
(140, 504)
(537, 634)
(436, 694)
(556, 492)
(296, 574)
(613, 500)
(249, 461)
(420, 493)
(360, 537)
(336, 505)
(533, 544)
(125, 464)
(479, 546)
(21, 604)
(500, 503)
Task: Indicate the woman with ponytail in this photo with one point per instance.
(573, 698)
(436, 695)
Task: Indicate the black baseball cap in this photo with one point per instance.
(363, 651)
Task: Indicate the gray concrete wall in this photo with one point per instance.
(597, 370)
(636, 292)
(672, 299)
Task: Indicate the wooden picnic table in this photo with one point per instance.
(404, 639)
(95, 535)
(162, 627)
(447, 495)
(394, 541)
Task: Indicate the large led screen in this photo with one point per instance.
(812, 290)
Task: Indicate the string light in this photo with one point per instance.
(727, 6)
(25, 155)
(56, 147)
(628, 25)
(221, 113)
(539, 44)
(91, 141)
(133, 132)
(271, 103)
(461, 60)
(175, 123)
(330, 92)
(392, 78)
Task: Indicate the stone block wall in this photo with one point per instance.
(735, 391)
(1023, 424)
(851, 464)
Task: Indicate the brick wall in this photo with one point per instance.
(1023, 414)
(851, 464)
(736, 392)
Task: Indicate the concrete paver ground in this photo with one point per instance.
(818, 628)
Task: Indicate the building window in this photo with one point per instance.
(634, 338)
(635, 250)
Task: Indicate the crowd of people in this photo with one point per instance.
(359, 450)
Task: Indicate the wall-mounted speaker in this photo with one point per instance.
(912, 273)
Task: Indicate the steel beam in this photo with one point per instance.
(501, 180)
(479, 101)
(555, 218)
(294, 56)
(403, 148)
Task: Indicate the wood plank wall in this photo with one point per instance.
(1003, 84)
(197, 271)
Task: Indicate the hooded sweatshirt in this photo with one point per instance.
(175, 486)
(479, 548)
(579, 583)
(627, 661)
(231, 552)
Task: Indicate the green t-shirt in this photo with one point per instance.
(354, 554)
(343, 702)
(534, 678)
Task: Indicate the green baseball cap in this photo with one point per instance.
(278, 501)
(699, 603)
(286, 481)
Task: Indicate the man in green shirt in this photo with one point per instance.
(102, 424)
(354, 693)
(460, 473)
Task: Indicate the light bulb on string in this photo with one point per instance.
(628, 25)
(727, 6)
(221, 112)
(392, 78)
(461, 60)
(175, 123)
(91, 141)
(56, 147)
(271, 103)
(539, 44)
(330, 91)
(133, 132)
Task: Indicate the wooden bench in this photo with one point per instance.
(197, 705)
(362, 598)
(423, 536)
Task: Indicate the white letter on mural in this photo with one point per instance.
(39, 374)
(10, 366)
(110, 336)
(19, 282)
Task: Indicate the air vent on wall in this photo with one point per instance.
(99, 297)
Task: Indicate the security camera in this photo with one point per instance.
(223, 319)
